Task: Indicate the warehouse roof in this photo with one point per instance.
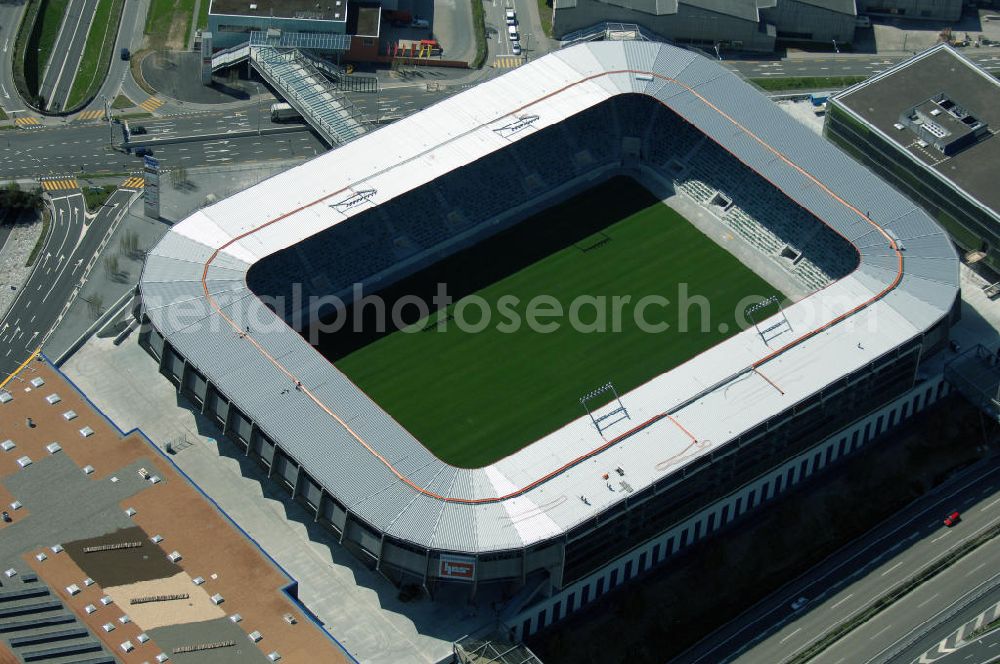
(194, 292)
(880, 100)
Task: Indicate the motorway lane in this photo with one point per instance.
(130, 36)
(907, 547)
(852, 577)
(62, 266)
(60, 71)
(984, 650)
(10, 18)
(891, 631)
(843, 65)
(943, 638)
(74, 147)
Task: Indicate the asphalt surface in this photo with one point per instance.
(73, 148)
(60, 71)
(60, 268)
(985, 650)
(10, 18)
(841, 65)
(951, 633)
(849, 580)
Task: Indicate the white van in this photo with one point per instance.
(511, 17)
(512, 32)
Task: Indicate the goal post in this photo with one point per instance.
(759, 312)
(600, 418)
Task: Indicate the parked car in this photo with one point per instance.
(515, 48)
(952, 519)
(799, 603)
(511, 17)
(512, 33)
(126, 54)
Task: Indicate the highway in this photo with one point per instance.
(70, 250)
(850, 579)
(842, 65)
(10, 18)
(75, 148)
(60, 71)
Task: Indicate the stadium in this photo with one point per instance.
(574, 488)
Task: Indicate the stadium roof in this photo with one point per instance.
(194, 292)
(880, 100)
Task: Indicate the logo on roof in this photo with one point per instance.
(520, 123)
(358, 198)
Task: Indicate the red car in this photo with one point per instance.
(952, 519)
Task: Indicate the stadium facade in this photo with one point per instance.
(579, 511)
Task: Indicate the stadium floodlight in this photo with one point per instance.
(601, 421)
(774, 329)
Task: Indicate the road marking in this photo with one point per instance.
(878, 633)
(133, 183)
(892, 568)
(791, 635)
(975, 569)
(26, 122)
(151, 104)
(986, 507)
(842, 601)
(91, 115)
(928, 600)
(941, 537)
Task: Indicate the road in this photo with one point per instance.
(852, 578)
(841, 65)
(61, 69)
(947, 637)
(10, 18)
(72, 148)
(63, 264)
(985, 650)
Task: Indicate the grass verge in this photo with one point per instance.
(95, 197)
(3, 115)
(121, 101)
(37, 249)
(545, 15)
(97, 53)
(202, 23)
(579, 257)
(806, 83)
(48, 21)
(479, 26)
(169, 19)
(133, 116)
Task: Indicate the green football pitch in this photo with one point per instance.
(475, 390)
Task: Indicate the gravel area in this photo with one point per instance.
(13, 255)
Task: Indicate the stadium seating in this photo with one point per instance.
(424, 220)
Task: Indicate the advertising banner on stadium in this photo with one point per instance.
(458, 568)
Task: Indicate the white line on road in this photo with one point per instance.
(975, 569)
(892, 568)
(791, 635)
(986, 507)
(941, 537)
(928, 600)
(842, 601)
(878, 633)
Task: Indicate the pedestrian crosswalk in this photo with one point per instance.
(91, 115)
(132, 183)
(508, 61)
(27, 122)
(151, 104)
(59, 184)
